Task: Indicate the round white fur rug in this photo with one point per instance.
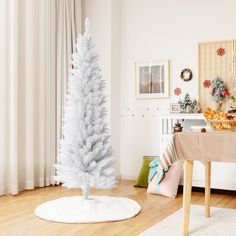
(77, 210)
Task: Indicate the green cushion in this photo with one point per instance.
(142, 180)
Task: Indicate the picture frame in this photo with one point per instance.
(174, 108)
(152, 79)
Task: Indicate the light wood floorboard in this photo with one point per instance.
(17, 212)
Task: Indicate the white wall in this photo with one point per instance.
(129, 31)
(153, 30)
(115, 79)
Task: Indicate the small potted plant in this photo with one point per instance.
(219, 92)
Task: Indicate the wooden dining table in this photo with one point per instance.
(205, 147)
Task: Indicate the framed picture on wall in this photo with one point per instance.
(152, 79)
(174, 108)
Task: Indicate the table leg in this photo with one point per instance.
(207, 188)
(188, 175)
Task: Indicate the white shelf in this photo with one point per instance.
(184, 116)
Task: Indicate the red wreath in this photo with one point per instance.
(220, 52)
(207, 83)
(177, 91)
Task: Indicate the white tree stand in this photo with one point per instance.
(76, 209)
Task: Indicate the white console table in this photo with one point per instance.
(223, 174)
(169, 120)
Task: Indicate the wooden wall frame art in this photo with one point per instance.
(216, 59)
(152, 79)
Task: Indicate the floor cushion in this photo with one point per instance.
(142, 180)
(169, 185)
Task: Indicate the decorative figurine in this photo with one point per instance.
(178, 127)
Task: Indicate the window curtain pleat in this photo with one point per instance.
(35, 49)
(69, 27)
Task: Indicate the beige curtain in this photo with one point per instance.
(68, 29)
(34, 55)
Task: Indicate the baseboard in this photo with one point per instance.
(214, 185)
(213, 190)
(118, 176)
(195, 183)
(128, 177)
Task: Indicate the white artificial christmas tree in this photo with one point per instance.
(85, 157)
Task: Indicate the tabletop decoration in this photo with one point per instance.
(189, 106)
(221, 121)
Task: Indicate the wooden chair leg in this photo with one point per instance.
(188, 175)
(207, 188)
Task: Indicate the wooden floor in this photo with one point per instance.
(17, 212)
